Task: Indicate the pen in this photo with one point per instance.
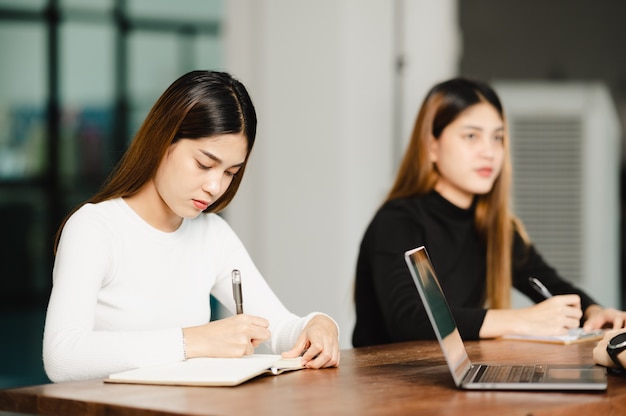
(539, 287)
(236, 276)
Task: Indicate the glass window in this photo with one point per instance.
(208, 53)
(23, 153)
(195, 10)
(87, 92)
(154, 63)
(24, 4)
(23, 92)
(92, 5)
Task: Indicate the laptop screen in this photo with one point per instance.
(439, 312)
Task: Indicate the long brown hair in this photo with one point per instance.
(199, 104)
(417, 175)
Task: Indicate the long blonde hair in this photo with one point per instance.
(417, 175)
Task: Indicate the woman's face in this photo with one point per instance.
(194, 173)
(468, 154)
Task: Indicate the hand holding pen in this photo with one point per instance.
(563, 311)
(234, 336)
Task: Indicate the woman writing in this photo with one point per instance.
(451, 194)
(136, 264)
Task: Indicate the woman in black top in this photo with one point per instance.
(451, 195)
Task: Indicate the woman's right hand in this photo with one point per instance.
(553, 316)
(234, 336)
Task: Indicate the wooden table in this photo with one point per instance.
(404, 378)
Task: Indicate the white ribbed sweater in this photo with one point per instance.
(123, 290)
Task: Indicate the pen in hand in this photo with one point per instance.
(539, 287)
(236, 277)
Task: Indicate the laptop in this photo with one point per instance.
(468, 375)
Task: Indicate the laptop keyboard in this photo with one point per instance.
(509, 373)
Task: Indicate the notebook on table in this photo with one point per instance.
(475, 376)
(205, 371)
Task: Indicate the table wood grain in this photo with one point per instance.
(394, 379)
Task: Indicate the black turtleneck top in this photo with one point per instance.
(388, 307)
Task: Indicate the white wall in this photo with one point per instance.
(333, 116)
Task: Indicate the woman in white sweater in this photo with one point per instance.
(136, 264)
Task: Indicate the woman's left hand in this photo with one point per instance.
(597, 317)
(320, 342)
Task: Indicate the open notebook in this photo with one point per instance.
(573, 336)
(208, 371)
(468, 375)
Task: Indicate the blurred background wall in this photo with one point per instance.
(337, 84)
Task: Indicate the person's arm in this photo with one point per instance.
(551, 317)
(528, 262)
(597, 317)
(600, 354)
(318, 343)
(290, 334)
(73, 348)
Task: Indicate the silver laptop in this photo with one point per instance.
(468, 375)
